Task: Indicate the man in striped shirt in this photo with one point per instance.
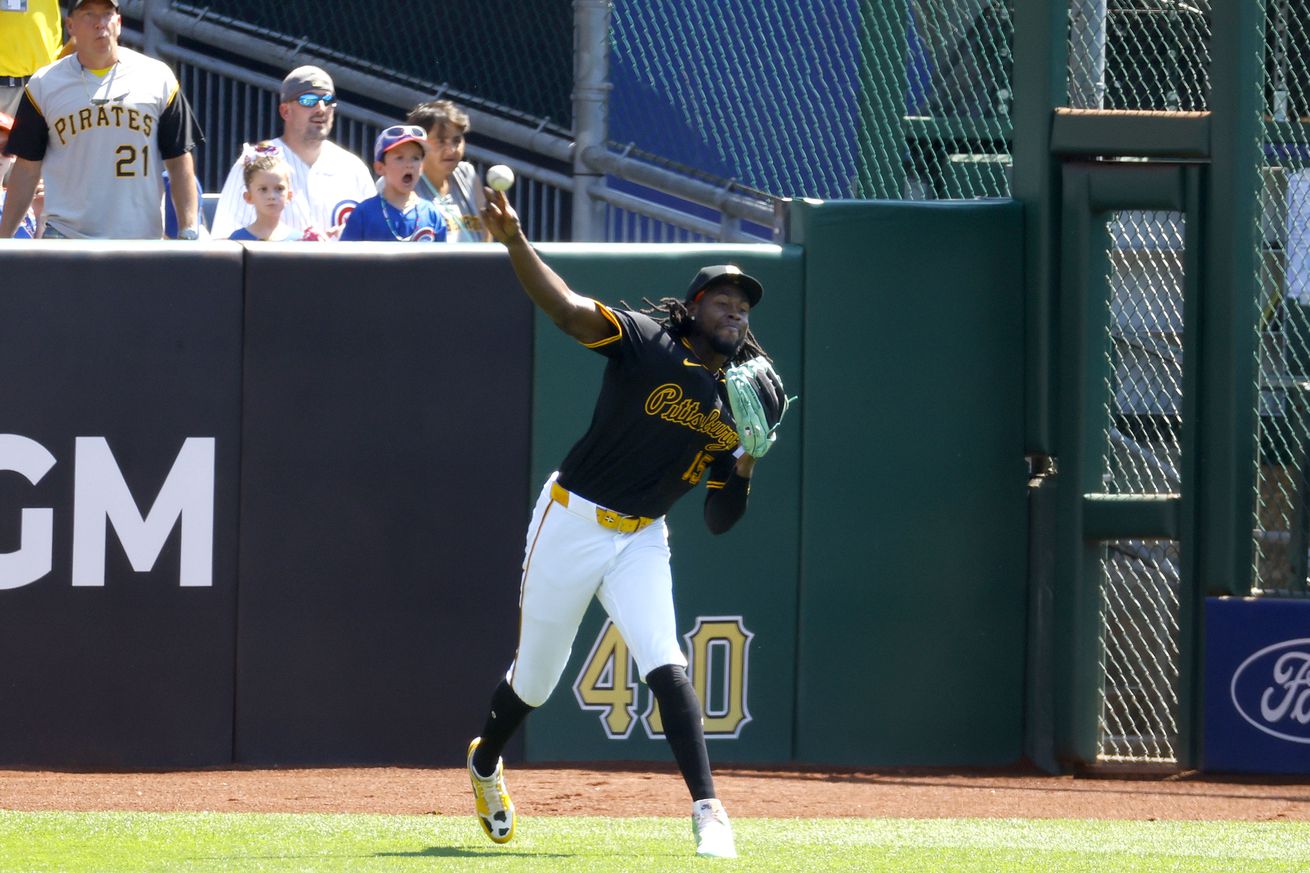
(327, 180)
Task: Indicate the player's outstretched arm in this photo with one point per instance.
(23, 179)
(576, 315)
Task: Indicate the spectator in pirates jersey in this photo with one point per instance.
(101, 125)
(327, 181)
(448, 180)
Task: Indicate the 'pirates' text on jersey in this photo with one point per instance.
(661, 423)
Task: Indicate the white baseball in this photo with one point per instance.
(500, 177)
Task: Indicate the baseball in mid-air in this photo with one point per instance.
(500, 177)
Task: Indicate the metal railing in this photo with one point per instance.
(235, 102)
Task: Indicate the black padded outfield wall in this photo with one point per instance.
(374, 507)
(387, 402)
(119, 447)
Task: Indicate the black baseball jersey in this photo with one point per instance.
(661, 424)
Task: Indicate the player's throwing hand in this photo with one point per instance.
(499, 218)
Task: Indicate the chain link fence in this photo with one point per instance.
(1142, 454)
(828, 100)
(1154, 55)
(485, 53)
(1139, 54)
(1145, 354)
(1138, 721)
(1282, 523)
(1150, 55)
(1280, 543)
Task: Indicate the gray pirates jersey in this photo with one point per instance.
(103, 141)
(461, 207)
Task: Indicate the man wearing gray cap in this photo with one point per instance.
(326, 180)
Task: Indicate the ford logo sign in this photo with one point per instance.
(1271, 690)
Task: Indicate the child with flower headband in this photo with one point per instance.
(268, 189)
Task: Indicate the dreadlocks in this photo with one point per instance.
(678, 321)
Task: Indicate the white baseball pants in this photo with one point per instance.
(568, 559)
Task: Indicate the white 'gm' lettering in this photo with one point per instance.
(101, 498)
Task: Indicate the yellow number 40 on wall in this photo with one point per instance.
(718, 662)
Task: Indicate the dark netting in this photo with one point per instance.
(505, 52)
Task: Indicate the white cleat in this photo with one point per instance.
(709, 821)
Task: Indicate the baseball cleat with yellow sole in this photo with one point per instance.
(495, 809)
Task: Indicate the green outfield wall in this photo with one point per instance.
(876, 587)
(744, 579)
(913, 521)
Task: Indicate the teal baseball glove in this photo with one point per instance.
(758, 403)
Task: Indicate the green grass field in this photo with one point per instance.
(248, 842)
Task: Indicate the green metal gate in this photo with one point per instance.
(1141, 408)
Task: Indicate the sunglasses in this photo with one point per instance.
(397, 130)
(309, 101)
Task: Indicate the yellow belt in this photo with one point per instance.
(606, 518)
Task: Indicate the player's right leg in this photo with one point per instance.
(491, 798)
(562, 566)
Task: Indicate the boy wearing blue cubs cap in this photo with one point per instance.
(397, 213)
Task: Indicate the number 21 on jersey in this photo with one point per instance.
(126, 165)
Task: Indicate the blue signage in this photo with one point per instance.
(1257, 685)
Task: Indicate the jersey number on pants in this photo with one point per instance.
(718, 664)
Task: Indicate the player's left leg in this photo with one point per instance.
(684, 729)
(680, 711)
(638, 595)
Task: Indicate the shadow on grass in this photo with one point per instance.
(460, 852)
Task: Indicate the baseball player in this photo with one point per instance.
(101, 125)
(661, 426)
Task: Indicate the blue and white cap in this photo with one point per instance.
(398, 134)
